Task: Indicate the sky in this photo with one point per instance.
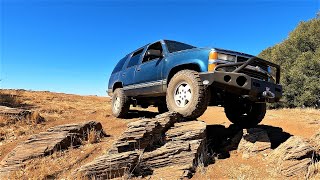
(71, 46)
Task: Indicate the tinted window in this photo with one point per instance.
(119, 65)
(135, 58)
(155, 46)
(174, 46)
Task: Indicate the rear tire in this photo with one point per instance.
(245, 114)
(187, 95)
(120, 104)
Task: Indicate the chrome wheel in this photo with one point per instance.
(182, 94)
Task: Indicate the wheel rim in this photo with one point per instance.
(116, 104)
(182, 94)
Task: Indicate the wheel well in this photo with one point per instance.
(176, 69)
(117, 85)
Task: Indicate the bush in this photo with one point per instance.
(299, 58)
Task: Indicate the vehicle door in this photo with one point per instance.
(148, 73)
(127, 75)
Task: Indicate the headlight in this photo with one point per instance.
(226, 57)
(213, 56)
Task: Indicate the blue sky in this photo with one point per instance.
(72, 46)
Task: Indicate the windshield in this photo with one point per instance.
(174, 46)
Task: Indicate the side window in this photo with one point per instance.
(135, 58)
(119, 65)
(155, 46)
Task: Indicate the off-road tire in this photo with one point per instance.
(199, 99)
(124, 104)
(247, 117)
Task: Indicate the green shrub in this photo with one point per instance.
(299, 58)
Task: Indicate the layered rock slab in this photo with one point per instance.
(145, 133)
(185, 148)
(152, 146)
(141, 135)
(45, 143)
(254, 141)
(292, 157)
(10, 115)
(110, 166)
(315, 139)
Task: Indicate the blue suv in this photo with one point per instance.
(179, 77)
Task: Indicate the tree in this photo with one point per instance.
(299, 58)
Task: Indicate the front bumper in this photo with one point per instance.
(241, 84)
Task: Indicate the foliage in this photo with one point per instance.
(299, 58)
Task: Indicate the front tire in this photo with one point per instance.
(187, 95)
(245, 114)
(120, 104)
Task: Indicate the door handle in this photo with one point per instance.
(138, 69)
(123, 74)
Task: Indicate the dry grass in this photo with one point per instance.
(57, 109)
(314, 170)
(11, 100)
(62, 164)
(94, 136)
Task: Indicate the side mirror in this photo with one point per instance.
(155, 53)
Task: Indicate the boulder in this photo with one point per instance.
(315, 140)
(145, 133)
(253, 141)
(150, 147)
(184, 150)
(292, 157)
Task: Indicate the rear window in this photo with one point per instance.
(135, 58)
(174, 46)
(119, 65)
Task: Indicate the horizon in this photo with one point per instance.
(71, 47)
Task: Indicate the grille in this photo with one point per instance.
(243, 59)
(255, 74)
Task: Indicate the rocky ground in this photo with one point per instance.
(53, 135)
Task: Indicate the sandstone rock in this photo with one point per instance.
(185, 131)
(110, 166)
(254, 141)
(12, 115)
(45, 143)
(292, 157)
(315, 139)
(150, 147)
(144, 133)
(183, 151)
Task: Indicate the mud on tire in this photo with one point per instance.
(120, 103)
(194, 99)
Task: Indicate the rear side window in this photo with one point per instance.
(135, 58)
(119, 65)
